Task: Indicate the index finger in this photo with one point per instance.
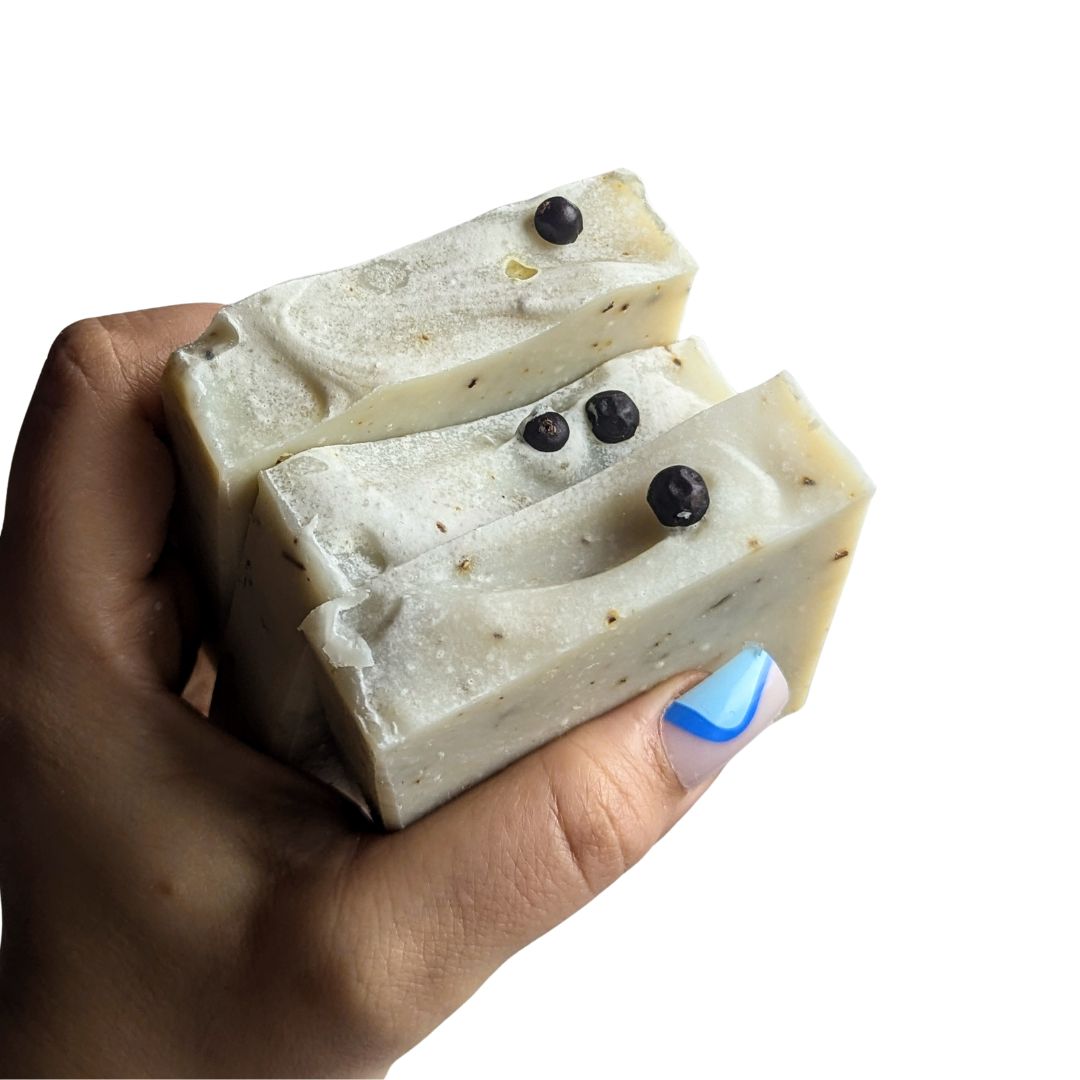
(91, 480)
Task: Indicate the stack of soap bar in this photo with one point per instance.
(445, 668)
(437, 490)
(486, 317)
(329, 519)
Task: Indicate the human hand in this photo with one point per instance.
(175, 902)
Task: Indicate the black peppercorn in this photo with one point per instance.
(678, 496)
(547, 432)
(558, 221)
(612, 415)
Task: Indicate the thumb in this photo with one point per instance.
(502, 864)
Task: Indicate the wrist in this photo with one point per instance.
(53, 1021)
(97, 1015)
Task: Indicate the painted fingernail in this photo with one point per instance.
(706, 727)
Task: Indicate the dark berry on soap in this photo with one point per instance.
(678, 496)
(613, 416)
(558, 220)
(547, 432)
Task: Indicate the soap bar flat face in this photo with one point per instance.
(482, 318)
(329, 519)
(447, 667)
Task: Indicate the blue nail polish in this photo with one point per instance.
(723, 705)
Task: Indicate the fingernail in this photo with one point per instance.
(706, 727)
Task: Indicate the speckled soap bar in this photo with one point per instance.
(443, 669)
(329, 519)
(485, 317)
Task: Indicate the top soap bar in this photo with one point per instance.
(304, 351)
(481, 318)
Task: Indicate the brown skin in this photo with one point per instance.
(178, 904)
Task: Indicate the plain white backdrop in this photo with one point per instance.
(883, 199)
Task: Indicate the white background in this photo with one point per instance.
(883, 198)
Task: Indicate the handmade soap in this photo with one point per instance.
(485, 317)
(443, 669)
(330, 518)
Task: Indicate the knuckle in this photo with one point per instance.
(80, 336)
(337, 954)
(595, 818)
(83, 354)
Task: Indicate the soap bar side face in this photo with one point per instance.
(640, 317)
(265, 675)
(461, 623)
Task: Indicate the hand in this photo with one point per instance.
(176, 903)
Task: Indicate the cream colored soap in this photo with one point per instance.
(479, 319)
(444, 669)
(329, 519)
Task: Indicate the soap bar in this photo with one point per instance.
(330, 518)
(443, 669)
(485, 317)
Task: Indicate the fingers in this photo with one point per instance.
(92, 482)
(486, 874)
